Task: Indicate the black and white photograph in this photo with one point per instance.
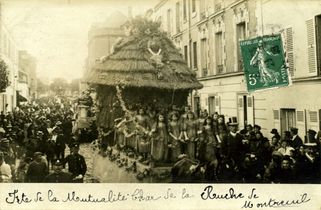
(206, 92)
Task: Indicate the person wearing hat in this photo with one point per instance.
(256, 129)
(76, 164)
(58, 175)
(60, 144)
(296, 141)
(275, 133)
(37, 170)
(231, 146)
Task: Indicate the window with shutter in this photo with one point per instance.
(311, 46)
(249, 101)
(299, 116)
(289, 50)
(240, 102)
(276, 114)
(318, 41)
(313, 116)
(217, 101)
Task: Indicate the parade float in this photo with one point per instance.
(144, 68)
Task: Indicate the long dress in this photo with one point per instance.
(130, 141)
(141, 137)
(175, 129)
(211, 143)
(201, 144)
(159, 142)
(191, 131)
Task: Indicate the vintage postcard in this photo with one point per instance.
(160, 104)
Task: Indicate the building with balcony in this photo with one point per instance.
(208, 33)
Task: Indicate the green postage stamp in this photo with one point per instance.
(264, 63)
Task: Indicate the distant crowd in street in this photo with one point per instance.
(208, 148)
(33, 139)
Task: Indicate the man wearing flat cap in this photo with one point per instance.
(76, 164)
(58, 175)
(296, 141)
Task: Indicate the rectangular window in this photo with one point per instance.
(186, 53)
(195, 55)
(249, 101)
(313, 116)
(169, 21)
(219, 52)
(311, 46)
(178, 15)
(276, 115)
(300, 116)
(289, 50)
(318, 41)
(240, 35)
(193, 5)
(184, 9)
(204, 57)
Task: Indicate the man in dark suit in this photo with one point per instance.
(231, 147)
(60, 144)
(37, 169)
(58, 175)
(76, 164)
(296, 141)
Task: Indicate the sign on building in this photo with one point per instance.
(264, 63)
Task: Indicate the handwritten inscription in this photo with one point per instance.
(138, 195)
(245, 200)
(209, 193)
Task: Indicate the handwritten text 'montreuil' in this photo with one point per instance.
(252, 199)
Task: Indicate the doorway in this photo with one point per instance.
(287, 119)
(245, 110)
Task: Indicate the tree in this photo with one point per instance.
(74, 85)
(42, 87)
(4, 76)
(59, 86)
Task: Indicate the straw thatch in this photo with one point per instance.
(132, 64)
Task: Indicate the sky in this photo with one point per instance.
(55, 32)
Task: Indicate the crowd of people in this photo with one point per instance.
(33, 141)
(208, 149)
(200, 148)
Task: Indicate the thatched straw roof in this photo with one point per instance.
(132, 63)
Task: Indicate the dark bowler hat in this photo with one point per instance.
(257, 126)
(293, 129)
(274, 131)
